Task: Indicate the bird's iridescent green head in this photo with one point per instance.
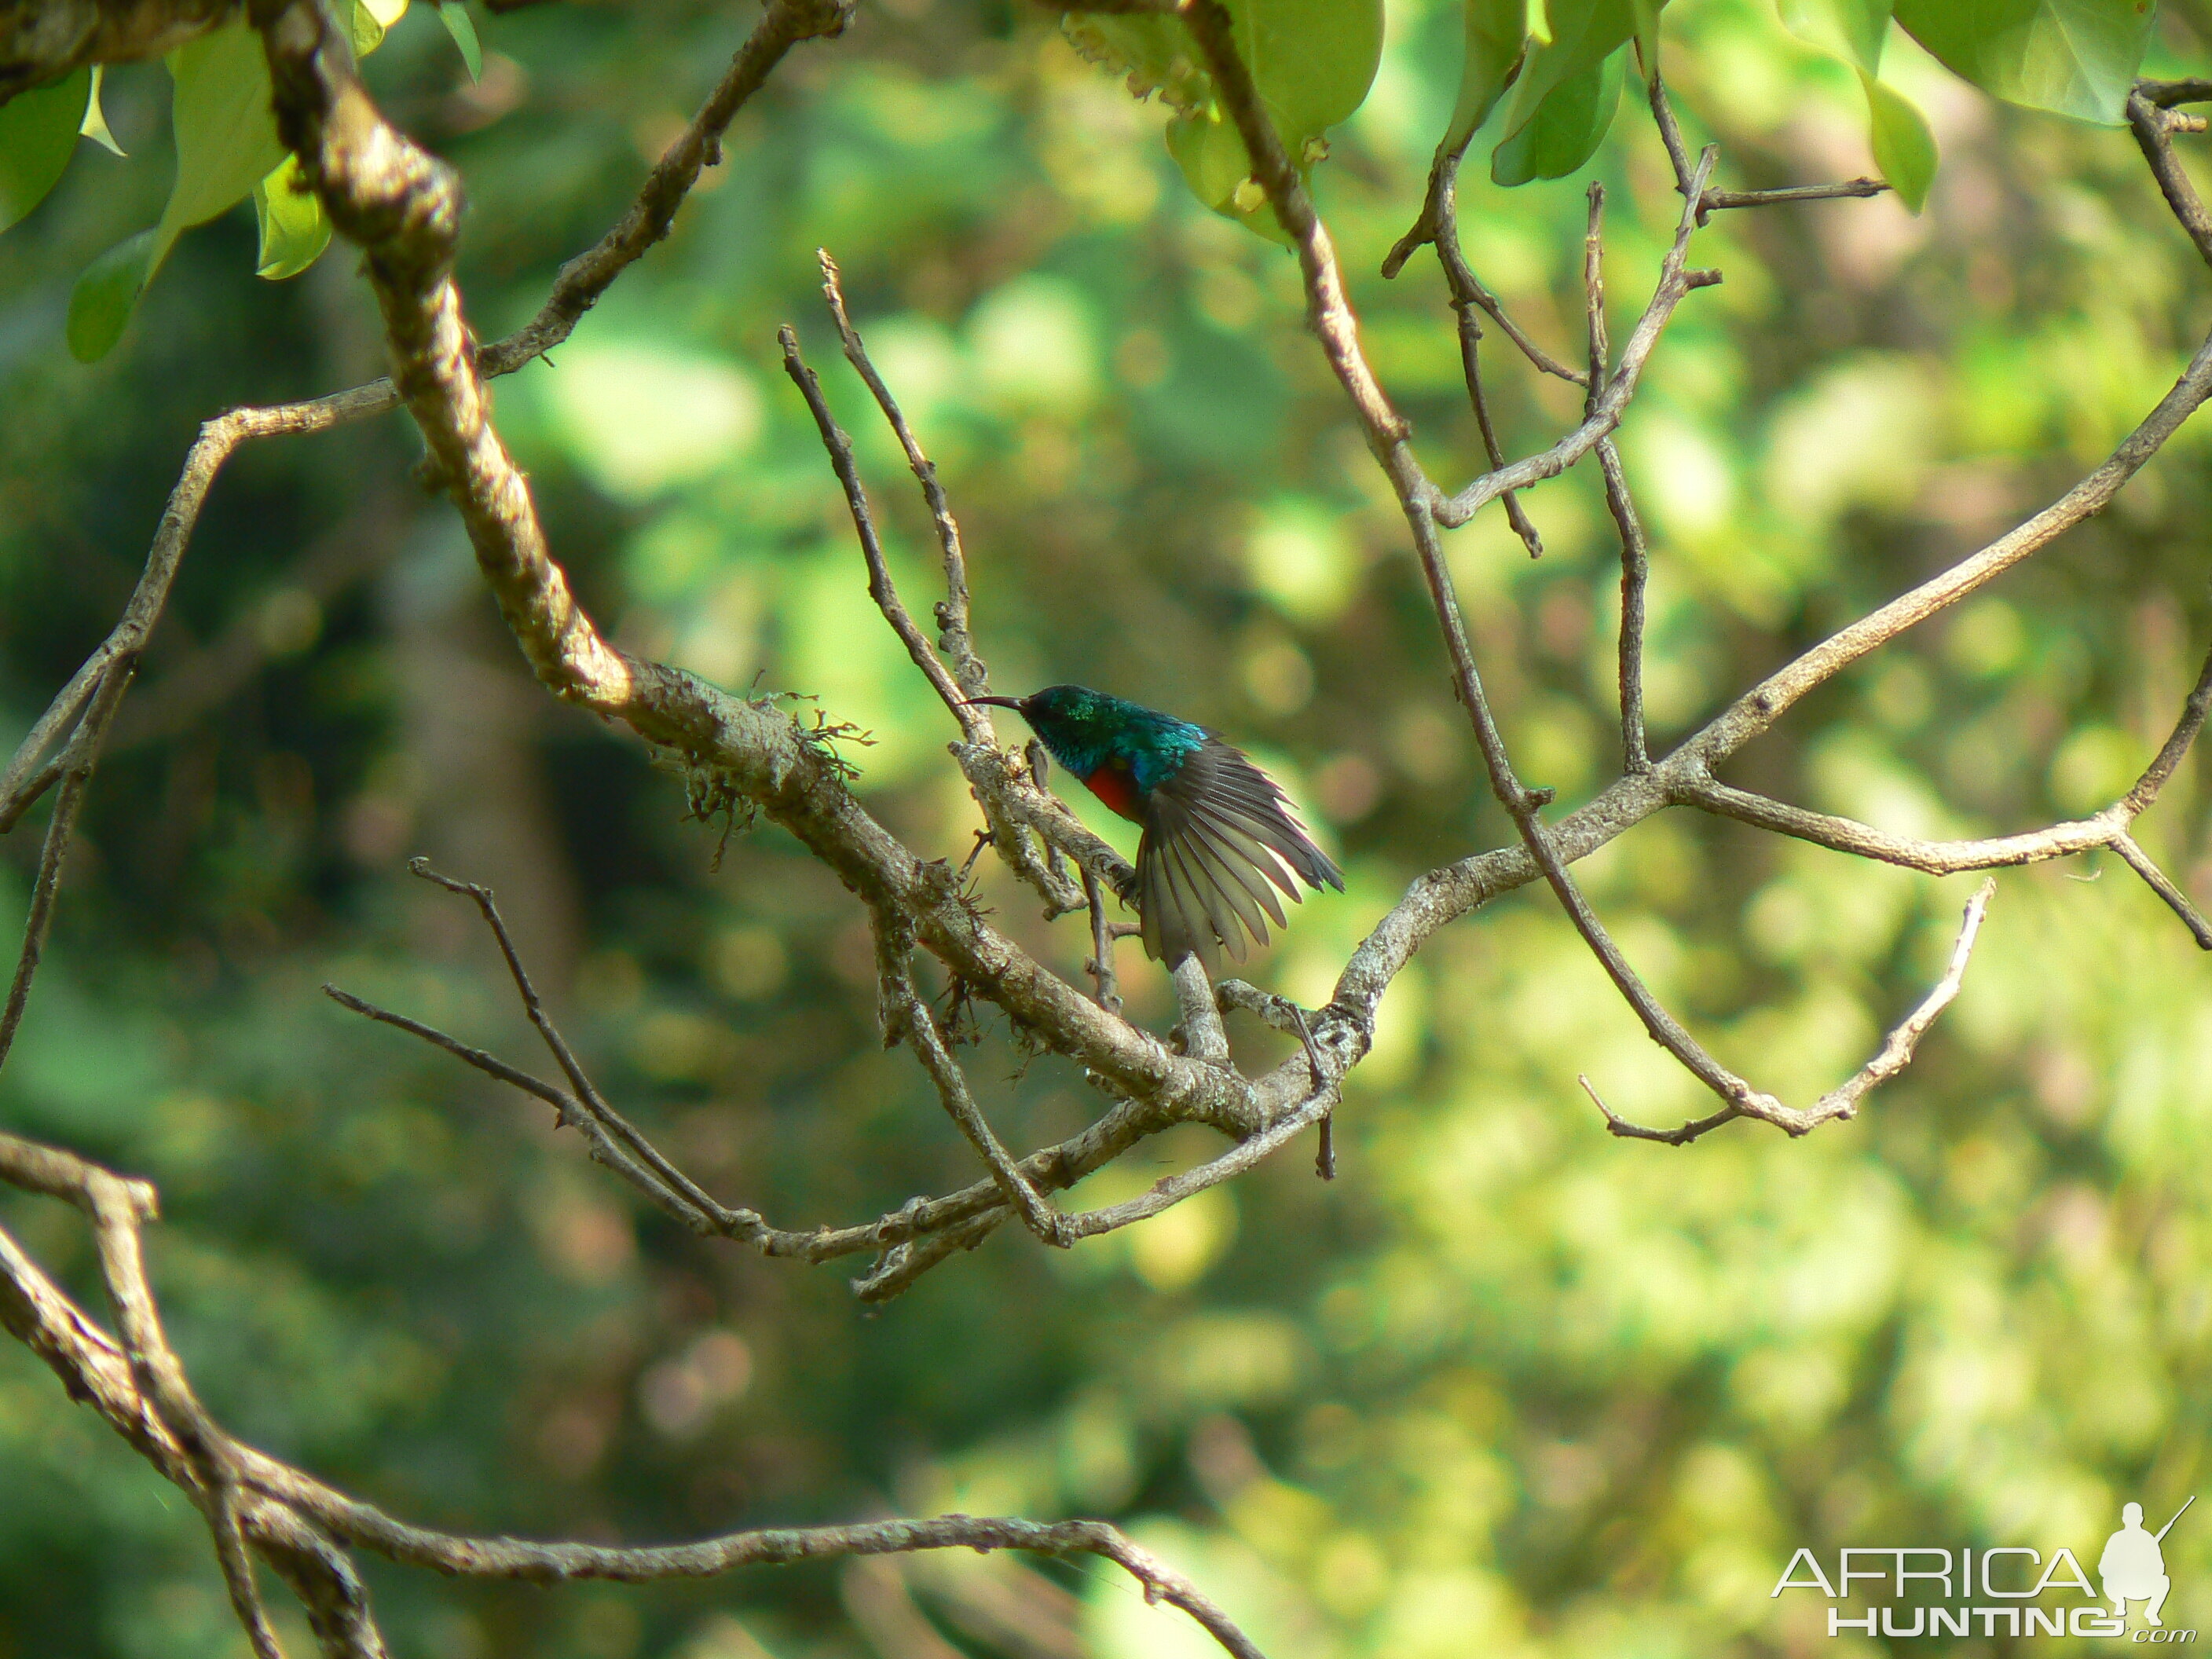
(1086, 729)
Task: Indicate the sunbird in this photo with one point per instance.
(1218, 831)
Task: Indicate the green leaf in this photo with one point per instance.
(2075, 57)
(1646, 34)
(454, 15)
(295, 230)
(1497, 35)
(1219, 170)
(369, 19)
(1853, 30)
(1155, 53)
(226, 135)
(226, 144)
(94, 125)
(1903, 148)
(1564, 130)
(1210, 154)
(1584, 34)
(101, 304)
(38, 135)
(1313, 60)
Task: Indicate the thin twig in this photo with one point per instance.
(211, 674)
(1934, 858)
(1687, 185)
(1286, 1016)
(974, 722)
(1525, 806)
(595, 1104)
(1635, 578)
(569, 1110)
(1279, 1013)
(2146, 120)
(1842, 1102)
(2165, 94)
(615, 1142)
(1443, 178)
(116, 1209)
(954, 638)
(533, 1007)
(1467, 289)
(20, 785)
(1470, 360)
(1599, 346)
(1325, 1150)
(1055, 1167)
(572, 1113)
(1101, 965)
(1717, 201)
(1604, 416)
(584, 279)
(918, 1028)
(38, 922)
(76, 763)
(1165, 1193)
(29, 794)
(2162, 885)
(2190, 721)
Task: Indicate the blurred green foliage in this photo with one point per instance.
(1312, 62)
(1508, 1386)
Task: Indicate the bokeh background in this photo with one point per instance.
(1508, 1386)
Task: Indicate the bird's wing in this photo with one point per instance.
(1221, 784)
(1216, 834)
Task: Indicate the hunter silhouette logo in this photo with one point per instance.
(2132, 1566)
(2002, 1591)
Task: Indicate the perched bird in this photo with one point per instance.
(1217, 831)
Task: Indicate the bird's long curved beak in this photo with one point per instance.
(1013, 703)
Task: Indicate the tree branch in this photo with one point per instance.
(139, 1387)
(1015, 1185)
(286, 1512)
(1101, 965)
(1466, 294)
(907, 1019)
(1842, 1100)
(577, 288)
(2108, 829)
(968, 669)
(1635, 578)
(1716, 201)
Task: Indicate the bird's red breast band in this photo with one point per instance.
(1113, 786)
